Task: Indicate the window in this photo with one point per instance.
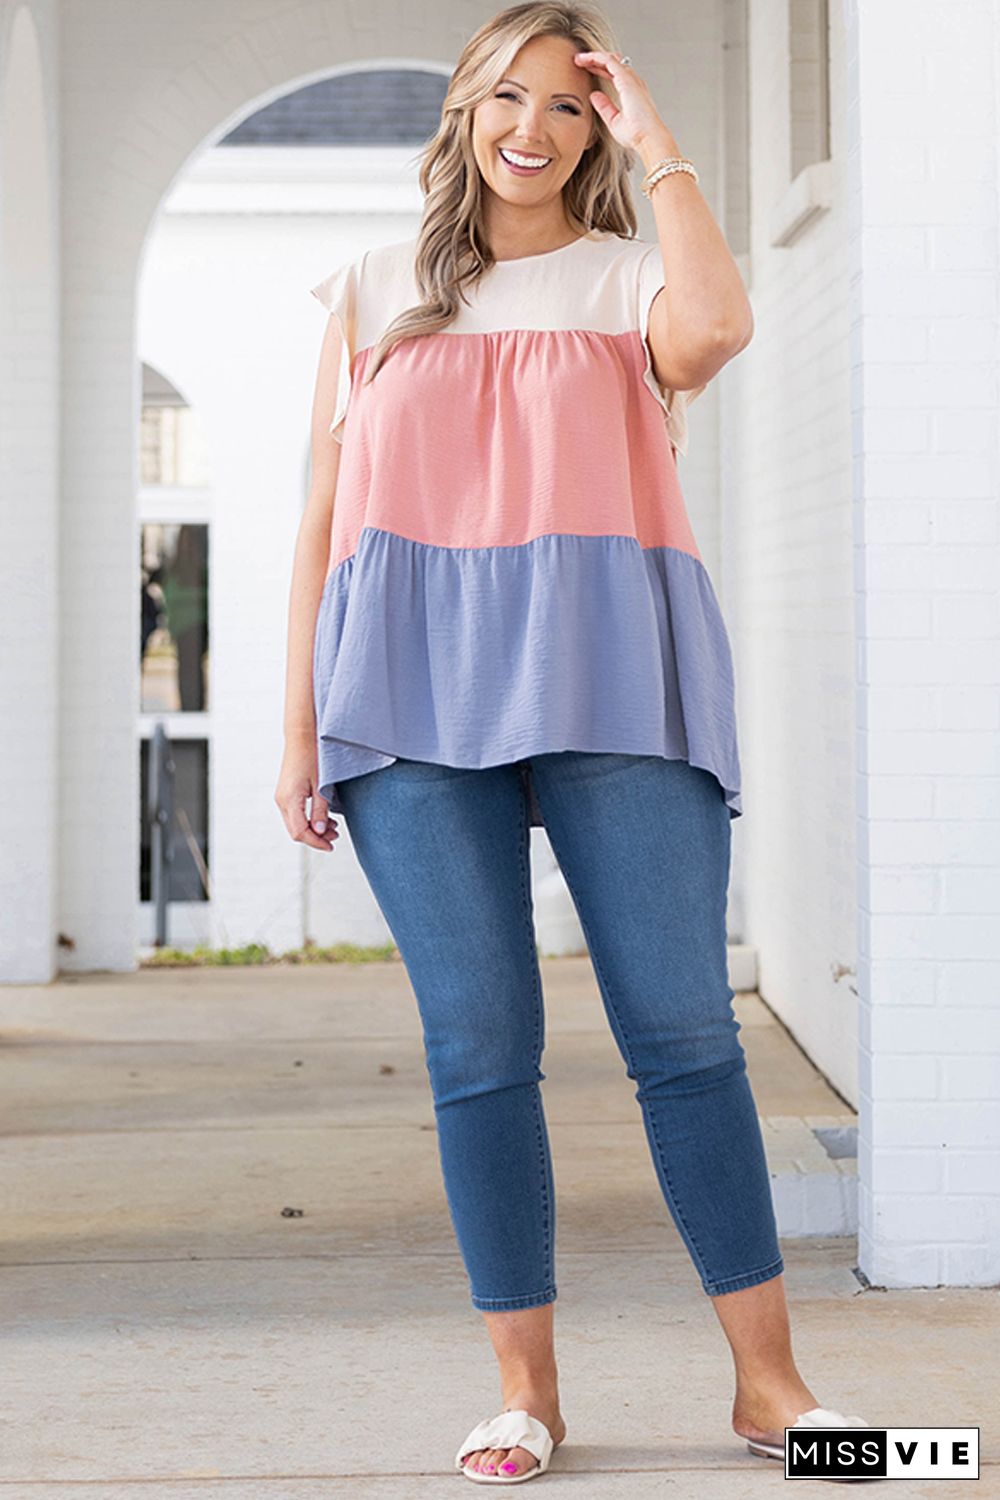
(174, 549)
(174, 617)
(187, 802)
(808, 195)
(736, 127)
(808, 83)
(171, 444)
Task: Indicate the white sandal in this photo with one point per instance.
(509, 1429)
(819, 1416)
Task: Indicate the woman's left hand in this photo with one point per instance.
(637, 118)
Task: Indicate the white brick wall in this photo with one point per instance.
(789, 567)
(923, 259)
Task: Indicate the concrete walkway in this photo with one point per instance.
(168, 1332)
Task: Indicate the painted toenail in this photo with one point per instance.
(509, 1468)
(490, 1468)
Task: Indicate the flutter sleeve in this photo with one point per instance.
(339, 294)
(674, 403)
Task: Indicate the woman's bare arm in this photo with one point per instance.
(312, 556)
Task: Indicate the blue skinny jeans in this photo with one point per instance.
(644, 846)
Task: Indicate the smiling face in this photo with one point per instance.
(541, 113)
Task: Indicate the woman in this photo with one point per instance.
(505, 622)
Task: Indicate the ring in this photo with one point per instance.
(626, 62)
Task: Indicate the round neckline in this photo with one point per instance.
(518, 260)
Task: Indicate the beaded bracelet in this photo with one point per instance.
(663, 168)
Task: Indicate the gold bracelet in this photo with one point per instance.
(663, 168)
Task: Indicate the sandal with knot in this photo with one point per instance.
(818, 1416)
(509, 1429)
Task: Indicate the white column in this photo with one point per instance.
(31, 799)
(923, 246)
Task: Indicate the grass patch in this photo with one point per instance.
(258, 955)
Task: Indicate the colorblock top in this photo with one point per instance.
(512, 569)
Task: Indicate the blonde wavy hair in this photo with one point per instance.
(452, 251)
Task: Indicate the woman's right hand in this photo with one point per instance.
(297, 780)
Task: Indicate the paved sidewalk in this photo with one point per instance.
(168, 1333)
